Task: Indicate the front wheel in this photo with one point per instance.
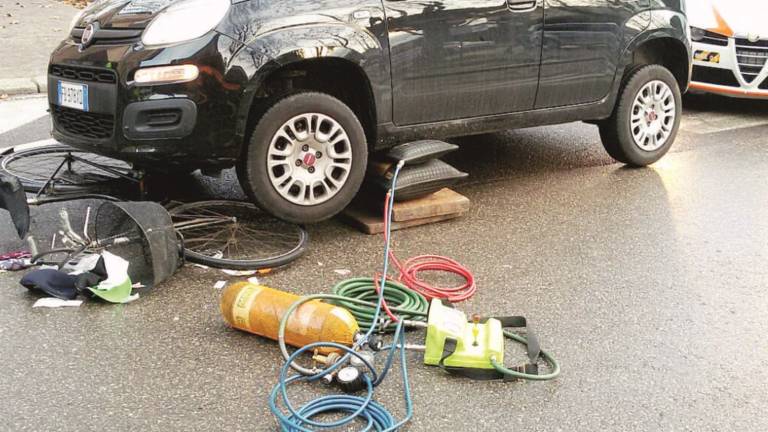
(306, 158)
(646, 120)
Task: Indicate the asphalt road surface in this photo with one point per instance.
(649, 285)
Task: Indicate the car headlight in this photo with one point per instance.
(697, 34)
(166, 75)
(185, 20)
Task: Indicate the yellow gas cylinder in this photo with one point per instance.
(258, 309)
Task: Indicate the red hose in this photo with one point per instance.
(377, 285)
(409, 275)
(409, 272)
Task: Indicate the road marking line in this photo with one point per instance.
(707, 123)
(19, 112)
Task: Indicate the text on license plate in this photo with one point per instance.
(73, 95)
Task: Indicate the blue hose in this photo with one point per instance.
(376, 417)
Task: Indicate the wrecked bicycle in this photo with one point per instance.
(221, 234)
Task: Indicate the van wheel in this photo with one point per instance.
(306, 158)
(646, 119)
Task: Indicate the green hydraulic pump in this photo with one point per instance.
(475, 349)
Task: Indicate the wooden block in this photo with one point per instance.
(371, 223)
(441, 203)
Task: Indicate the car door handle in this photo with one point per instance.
(522, 5)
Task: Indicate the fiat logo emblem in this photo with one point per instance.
(309, 159)
(88, 34)
(753, 37)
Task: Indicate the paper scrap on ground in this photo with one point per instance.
(240, 272)
(131, 298)
(84, 265)
(220, 284)
(254, 280)
(53, 302)
(343, 272)
(117, 271)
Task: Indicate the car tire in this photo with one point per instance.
(641, 130)
(313, 172)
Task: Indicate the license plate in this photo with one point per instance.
(73, 95)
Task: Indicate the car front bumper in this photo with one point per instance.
(732, 67)
(192, 124)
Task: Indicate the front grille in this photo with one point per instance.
(751, 57)
(83, 124)
(747, 44)
(110, 36)
(717, 76)
(714, 39)
(84, 74)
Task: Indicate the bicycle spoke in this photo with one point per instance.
(235, 232)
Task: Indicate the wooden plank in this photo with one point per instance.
(371, 223)
(440, 203)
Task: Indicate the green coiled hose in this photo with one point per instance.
(408, 304)
(553, 364)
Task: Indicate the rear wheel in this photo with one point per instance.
(306, 158)
(646, 120)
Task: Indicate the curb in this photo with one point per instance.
(23, 86)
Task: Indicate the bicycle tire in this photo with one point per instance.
(182, 212)
(33, 166)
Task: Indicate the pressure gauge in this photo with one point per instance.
(358, 363)
(350, 379)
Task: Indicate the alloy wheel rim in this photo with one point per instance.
(653, 116)
(309, 159)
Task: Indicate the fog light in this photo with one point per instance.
(166, 75)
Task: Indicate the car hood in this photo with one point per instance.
(124, 14)
(739, 18)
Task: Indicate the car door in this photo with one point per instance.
(582, 43)
(455, 59)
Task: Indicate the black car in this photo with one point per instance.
(297, 94)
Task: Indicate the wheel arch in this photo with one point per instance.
(345, 62)
(665, 51)
(664, 43)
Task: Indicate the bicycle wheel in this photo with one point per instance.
(237, 235)
(34, 166)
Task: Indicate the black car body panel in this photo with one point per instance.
(456, 59)
(213, 140)
(278, 33)
(437, 69)
(582, 46)
(125, 14)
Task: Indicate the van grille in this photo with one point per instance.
(715, 39)
(84, 124)
(712, 75)
(752, 57)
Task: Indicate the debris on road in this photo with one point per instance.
(53, 302)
